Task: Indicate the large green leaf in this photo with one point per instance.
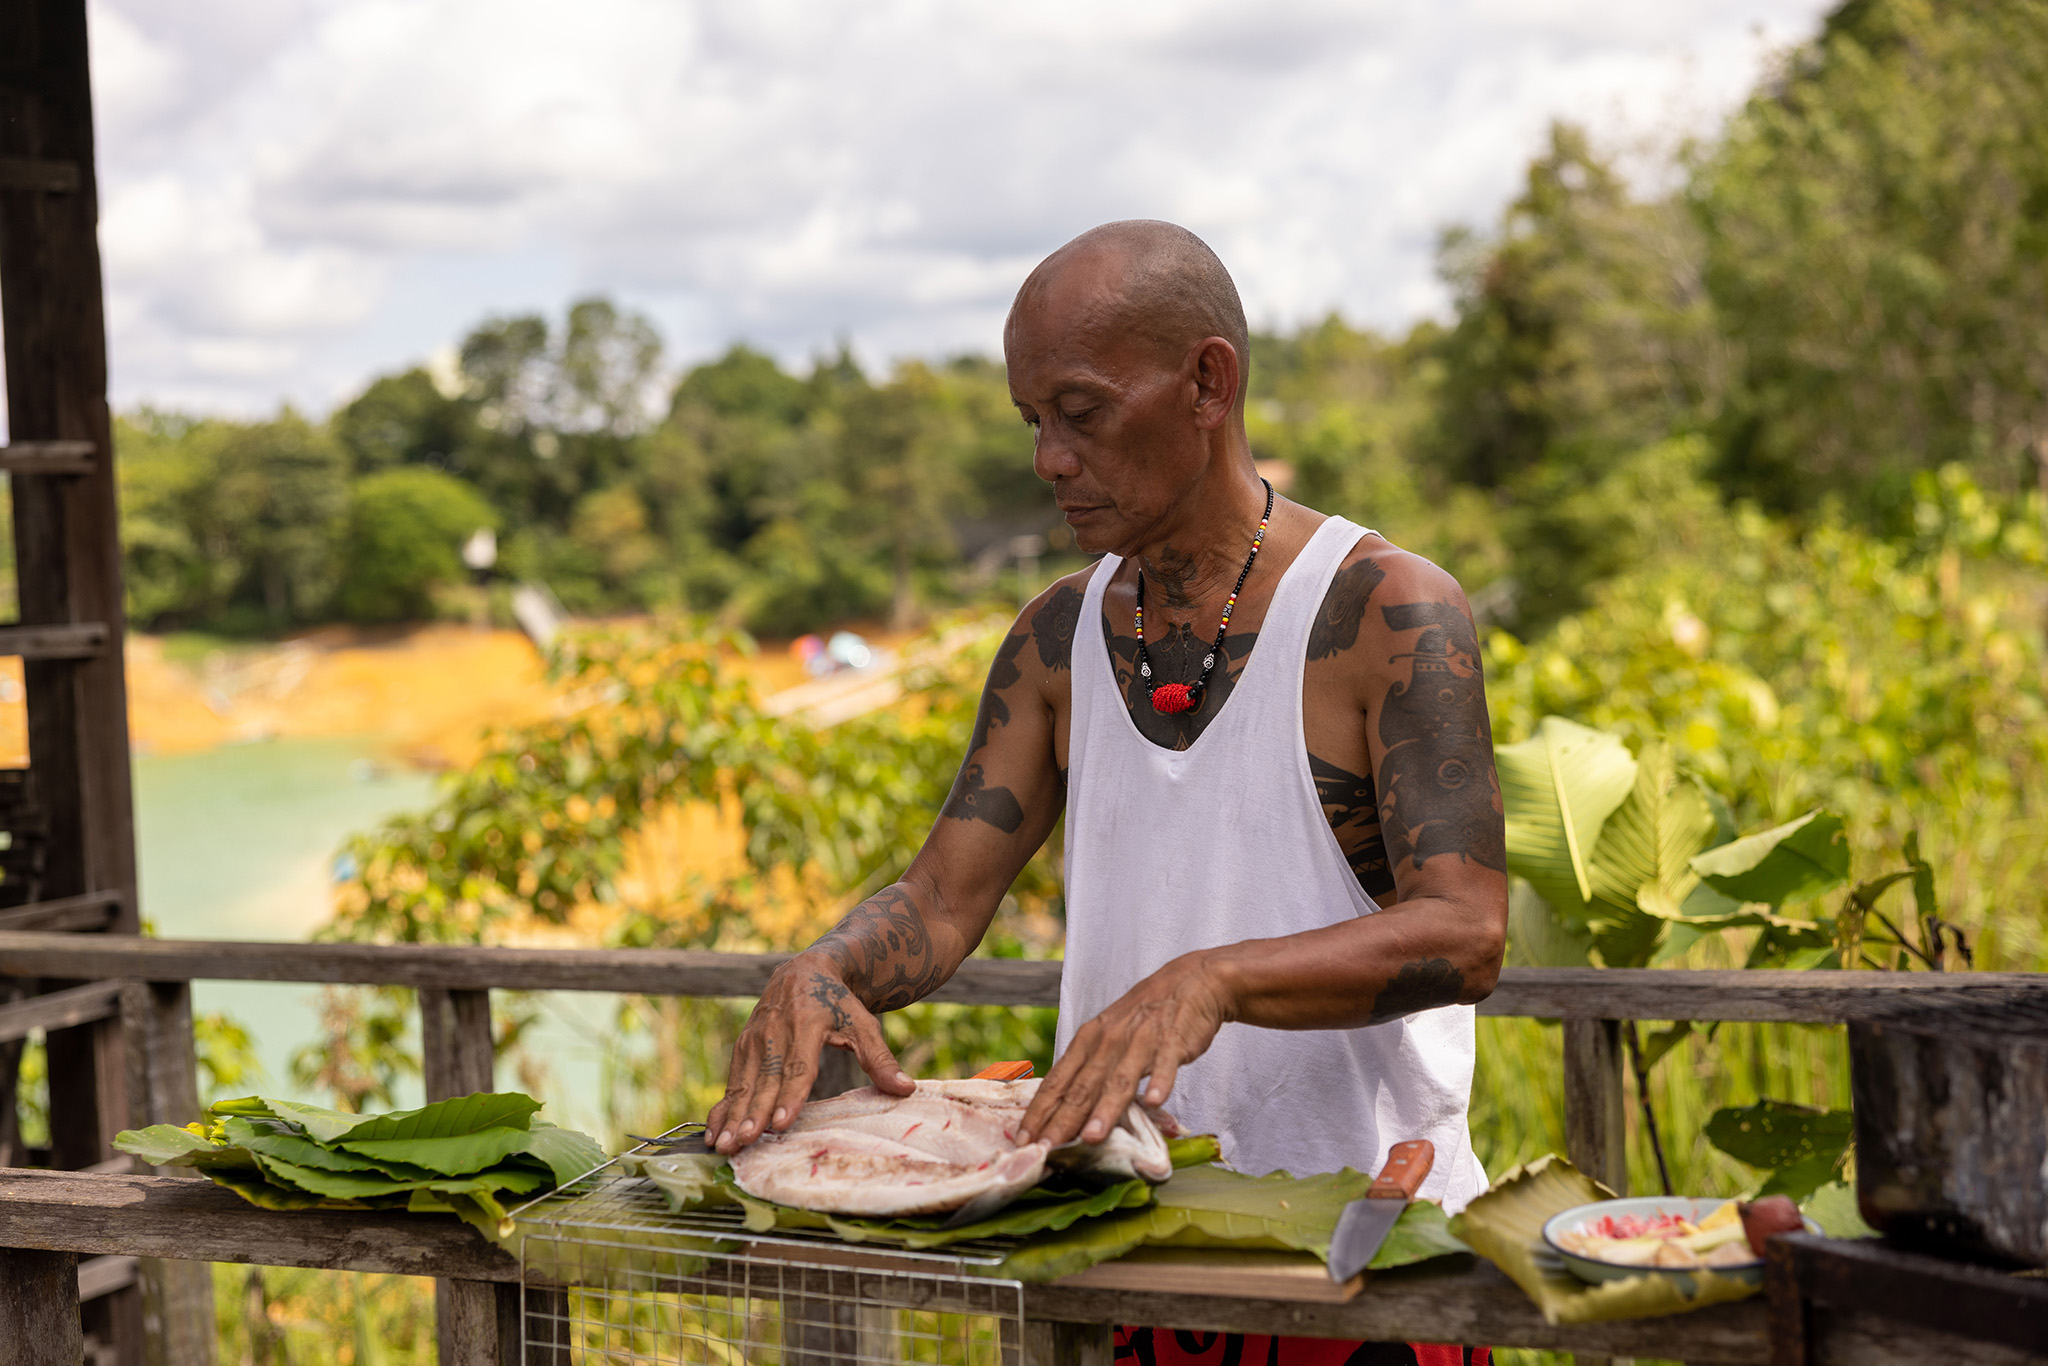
(1834, 1208)
(165, 1145)
(251, 1186)
(319, 1123)
(277, 1139)
(1559, 787)
(567, 1153)
(1790, 862)
(450, 1118)
(1800, 1146)
(455, 1155)
(1538, 937)
(1644, 858)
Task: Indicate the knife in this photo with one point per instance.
(1364, 1224)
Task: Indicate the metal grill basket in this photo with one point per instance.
(612, 1275)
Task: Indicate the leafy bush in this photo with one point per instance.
(405, 533)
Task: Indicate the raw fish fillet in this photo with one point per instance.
(867, 1153)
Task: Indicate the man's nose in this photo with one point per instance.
(1052, 454)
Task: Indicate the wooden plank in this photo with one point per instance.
(657, 972)
(39, 1323)
(1857, 1280)
(99, 1276)
(60, 1009)
(93, 911)
(81, 640)
(67, 542)
(1214, 1271)
(1594, 1132)
(47, 457)
(1450, 1300)
(177, 1295)
(39, 174)
(161, 1216)
(1566, 993)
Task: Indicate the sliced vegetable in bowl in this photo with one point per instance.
(1658, 1235)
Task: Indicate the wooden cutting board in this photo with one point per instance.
(1219, 1271)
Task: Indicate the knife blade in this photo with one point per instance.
(1364, 1224)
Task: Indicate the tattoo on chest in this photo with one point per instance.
(1438, 794)
(1176, 658)
(882, 948)
(1337, 620)
(1421, 985)
(1352, 808)
(1173, 571)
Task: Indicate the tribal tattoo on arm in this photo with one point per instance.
(1352, 808)
(1437, 791)
(1343, 608)
(883, 951)
(1421, 985)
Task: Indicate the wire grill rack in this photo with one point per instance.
(612, 1275)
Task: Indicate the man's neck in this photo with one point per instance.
(1192, 564)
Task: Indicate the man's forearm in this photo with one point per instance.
(894, 949)
(1428, 952)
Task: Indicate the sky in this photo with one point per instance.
(298, 195)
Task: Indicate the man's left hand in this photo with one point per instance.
(1153, 1030)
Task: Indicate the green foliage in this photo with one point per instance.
(405, 533)
(1801, 1147)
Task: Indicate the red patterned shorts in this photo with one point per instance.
(1180, 1347)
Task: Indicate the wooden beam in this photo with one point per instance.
(47, 457)
(93, 911)
(60, 1010)
(39, 174)
(39, 1324)
(1594, 1125)
(99, 1276)
(1554, 993)
(80, 640)
(1454, 1299)
(459, 1058)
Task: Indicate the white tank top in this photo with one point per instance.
(1169, 851)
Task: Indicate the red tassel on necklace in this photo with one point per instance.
(1173, 697)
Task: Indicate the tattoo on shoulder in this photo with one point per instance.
(1337, 620)
(1352, 808)
(973, 799)
(1053, 626)
(1421, 985)
(994, 711)
(884, 950)
(1438, 790)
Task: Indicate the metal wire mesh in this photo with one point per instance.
(612, 1275)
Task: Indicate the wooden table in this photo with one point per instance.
(48, 1220)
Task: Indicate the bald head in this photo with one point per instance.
(1142, 279)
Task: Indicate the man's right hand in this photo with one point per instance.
(806, 1007)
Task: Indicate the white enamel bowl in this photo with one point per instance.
(1643, 1207)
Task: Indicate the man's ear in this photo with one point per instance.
(1217, 373)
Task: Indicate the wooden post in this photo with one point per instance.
(458, 1058)
(39, 1309)
(1594, 1127)
(177, 1296)
(1049, 1343)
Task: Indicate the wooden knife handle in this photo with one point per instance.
(1407, 1167)
(1004, 1071)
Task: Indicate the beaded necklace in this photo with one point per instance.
(1178, 697)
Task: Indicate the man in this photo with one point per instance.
(1285, 867)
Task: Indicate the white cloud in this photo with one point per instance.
(279, 176)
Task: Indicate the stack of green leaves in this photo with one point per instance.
(472, 1156)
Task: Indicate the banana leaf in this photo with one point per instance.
(1505, 1226)
(1214, 1207)
(1791, 862)
(1559, 787)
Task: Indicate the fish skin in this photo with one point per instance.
(864, 1152)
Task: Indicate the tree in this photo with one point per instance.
(405, 532)
(405, 419)
(1877, 237)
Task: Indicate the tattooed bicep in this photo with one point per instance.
(1438, 792)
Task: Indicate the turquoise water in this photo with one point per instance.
(239, 843)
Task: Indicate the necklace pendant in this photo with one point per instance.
(1208, 662)
(1173, 698)
(1144, 671)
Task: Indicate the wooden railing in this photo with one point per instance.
(150, 1002)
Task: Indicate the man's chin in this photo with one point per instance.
(1096, 530)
